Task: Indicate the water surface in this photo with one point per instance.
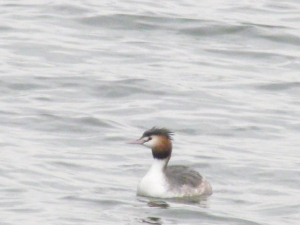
(80, 79)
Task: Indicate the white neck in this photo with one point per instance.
(158, 165)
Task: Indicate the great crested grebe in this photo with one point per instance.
(163, 181)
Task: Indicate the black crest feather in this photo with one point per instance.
(158, 131)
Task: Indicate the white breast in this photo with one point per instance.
(154, 183)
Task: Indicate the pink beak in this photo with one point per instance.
(137, 142)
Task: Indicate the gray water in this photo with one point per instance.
(81, 78)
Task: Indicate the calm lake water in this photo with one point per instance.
(81, 78)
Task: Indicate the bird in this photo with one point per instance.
(163, 181)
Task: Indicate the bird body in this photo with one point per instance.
(163, 181)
